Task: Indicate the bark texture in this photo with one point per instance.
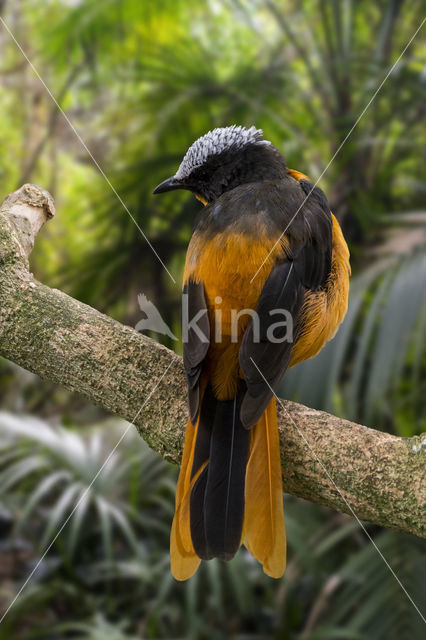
(334, 462)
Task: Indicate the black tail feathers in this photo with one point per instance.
(217, 498)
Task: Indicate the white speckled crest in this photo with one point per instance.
(215, 142)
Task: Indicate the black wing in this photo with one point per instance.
(315, 262)
(196, 341)
(266, 349)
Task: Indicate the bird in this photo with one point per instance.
(264, 242)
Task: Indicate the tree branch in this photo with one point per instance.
(382, 477)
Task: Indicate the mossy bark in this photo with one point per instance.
(334, 462)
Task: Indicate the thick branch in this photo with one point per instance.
(60, 339)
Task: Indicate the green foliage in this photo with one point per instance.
(379, 354)
(62, 471)
(152, 77)
(140, 81)
(128, 590)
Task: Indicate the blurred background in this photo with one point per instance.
(140, 81)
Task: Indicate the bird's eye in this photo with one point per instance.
(202, 174)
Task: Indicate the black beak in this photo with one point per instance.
(169, 185)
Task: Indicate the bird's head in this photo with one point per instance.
(223, 159)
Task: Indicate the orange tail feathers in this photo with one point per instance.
(183, 559)
(264, 528)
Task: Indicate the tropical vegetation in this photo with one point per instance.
(134, 84)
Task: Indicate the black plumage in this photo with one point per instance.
(217, 498)
(196, 343)
(283, 290)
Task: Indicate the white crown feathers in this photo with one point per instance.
(216, 142)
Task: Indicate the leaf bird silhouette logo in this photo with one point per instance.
(153, 320)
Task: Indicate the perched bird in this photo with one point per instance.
(265, 242)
